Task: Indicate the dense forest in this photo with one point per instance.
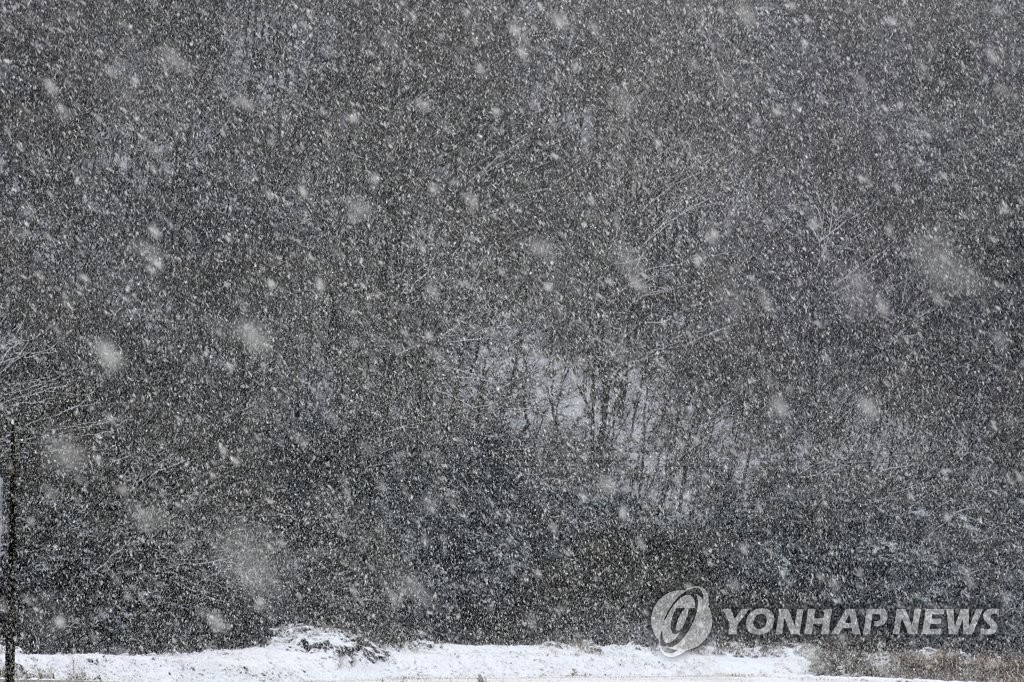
(494, 321)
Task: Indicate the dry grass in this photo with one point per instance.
(928, 664)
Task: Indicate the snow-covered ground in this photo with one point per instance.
(301, 654)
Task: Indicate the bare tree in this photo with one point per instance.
(33, 400)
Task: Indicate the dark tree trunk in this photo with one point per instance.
(11, 625)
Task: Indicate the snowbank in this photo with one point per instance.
(305, 654)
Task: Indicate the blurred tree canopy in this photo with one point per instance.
(444, 319)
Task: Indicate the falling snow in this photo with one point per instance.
(490, 324)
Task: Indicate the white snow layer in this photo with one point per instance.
(306, 654)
